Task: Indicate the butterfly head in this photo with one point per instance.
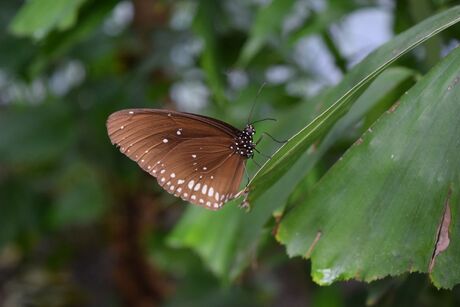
(249, 130)
(244, 145)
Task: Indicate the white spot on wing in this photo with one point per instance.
(208, 203)
(165, 141)
(131, 112)
(204, 189)
(162, 171)
(193, 156)
(180, 181)
(179, 190)
(204, 168)
(193, 197)
(197, 187)
(216, 196)
(171, 187)
(173, 175)
(190, 184)
(211, 191)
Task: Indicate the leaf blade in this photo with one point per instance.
(385, 221)
(37, 18)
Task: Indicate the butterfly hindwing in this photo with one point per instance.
(203, 173)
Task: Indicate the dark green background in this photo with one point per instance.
(82, 225)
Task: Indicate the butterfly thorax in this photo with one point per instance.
(243, 144)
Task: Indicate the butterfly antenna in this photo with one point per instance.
(246, 172)
(264, 119)
(255, 101)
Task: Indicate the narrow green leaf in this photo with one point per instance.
(345, 94)
(56, 44)
(378, 211)
(204, 26)
(37, 18)
(268, 20)
(318, 22)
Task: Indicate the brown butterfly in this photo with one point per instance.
(194, 157)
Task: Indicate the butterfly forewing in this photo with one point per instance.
(189, 154)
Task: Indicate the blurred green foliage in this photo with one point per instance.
(81, 225)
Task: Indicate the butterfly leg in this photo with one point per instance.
(273, 138)
(260, 139)
(245, 204)
(247, 175)
(270, 136)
